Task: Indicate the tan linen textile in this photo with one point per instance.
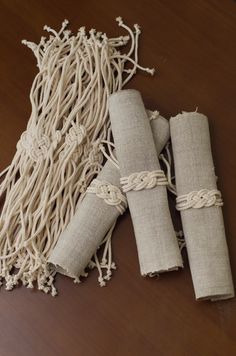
(157, 244)
(94, 217)
(204, 227)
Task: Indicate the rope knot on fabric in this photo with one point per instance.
(199, 199)
(143, 180)
(110, 193)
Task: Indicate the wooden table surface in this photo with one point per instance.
(192, 45)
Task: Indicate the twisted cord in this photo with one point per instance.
(199, 199)
(61, 150)
(111, 194)
(143, 180)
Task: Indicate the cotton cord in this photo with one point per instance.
(110, 193)
(199, 199)
(105, 266)
(61, 150)
(166, 158)
(143, 180)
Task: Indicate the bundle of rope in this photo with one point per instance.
(62, 149)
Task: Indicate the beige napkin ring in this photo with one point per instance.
(199, 199)
(104, 201)
(145, 184)
(143, 180)
(111, 194)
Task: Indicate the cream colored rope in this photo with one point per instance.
(111, 194)
(199, 199)
(143, 180)
(61, 150)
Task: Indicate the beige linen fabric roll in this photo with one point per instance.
(94, 217)
(203, 227)
(157, 244)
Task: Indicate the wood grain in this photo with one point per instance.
(192, 45)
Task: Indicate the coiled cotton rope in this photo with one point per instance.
(62, 149)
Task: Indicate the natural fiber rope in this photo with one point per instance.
(143, 180)
(199, 199)
(110, 193)
(61, 150)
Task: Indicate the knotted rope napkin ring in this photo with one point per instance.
(143, 180)
(110, 193)
(199, 199)
(77, 246)
(144, 183)
(201, 207)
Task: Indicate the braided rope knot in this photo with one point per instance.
(36, 148)
(143, 180)
(73, 139)
(95, 155)
(199, 199)
(110, 193)
(76, 135)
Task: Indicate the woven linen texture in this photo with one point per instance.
(94, 218)
(157, 244)
(203, 227)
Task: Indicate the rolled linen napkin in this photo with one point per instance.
(144, 184)
(98, 212)
(200, 203)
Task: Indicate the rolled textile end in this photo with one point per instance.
(86, 230)
(160, 130)
(199, 202)
(143, 180)
(97, 213)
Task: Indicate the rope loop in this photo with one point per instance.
(143, 180)
(76, 135)
(199, 199)
(36, 148)
(110, 193)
